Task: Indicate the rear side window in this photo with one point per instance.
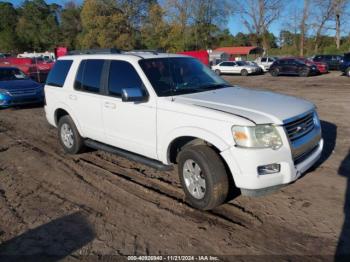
(263, 59)
(122, 75)
(89, 75)
(58, 73)
(225, 64)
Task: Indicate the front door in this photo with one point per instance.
(128, 125)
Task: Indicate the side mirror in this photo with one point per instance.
(132, 95)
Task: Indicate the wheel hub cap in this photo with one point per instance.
(194, 180)
(67, 135)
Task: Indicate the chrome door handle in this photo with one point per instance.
(72, 97)
(110, 105)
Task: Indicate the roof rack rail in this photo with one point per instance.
(152, 51)
(95, 51)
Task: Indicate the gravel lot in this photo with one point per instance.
(97, 203)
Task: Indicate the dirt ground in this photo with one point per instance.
(100, 204)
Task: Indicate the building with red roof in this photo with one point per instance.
(240, 51)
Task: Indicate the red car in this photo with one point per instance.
(321, 67)
(34, 68)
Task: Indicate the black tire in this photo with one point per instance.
(78, 141)
(212, 171)
(347, 72)
(244, 72)
(274, 72)
(304, 72)
(218, 72)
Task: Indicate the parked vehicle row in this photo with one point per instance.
(284, 66)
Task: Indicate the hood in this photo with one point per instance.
(18, 84)
(260, 107)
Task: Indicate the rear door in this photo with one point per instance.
(128, 125)
(85, 100)
(225, 67)
(235, 68)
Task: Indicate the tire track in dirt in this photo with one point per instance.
(99, 183)
(160, 185)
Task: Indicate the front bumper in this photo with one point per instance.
(7, 101)
(243, 164)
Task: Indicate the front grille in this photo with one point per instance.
(300, 158)
(22, 92)
(301, 127)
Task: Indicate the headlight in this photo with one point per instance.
(3, 91)
(259, 136)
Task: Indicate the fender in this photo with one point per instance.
(65, 107)
(165, 141)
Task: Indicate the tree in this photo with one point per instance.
(154, 30)
(104, 25)
(208, 17)
(8, 20)
(321, 15)
(179, 15)
(37, 26)
(339, 11)
(303, 26)
(70, 25)
(258, 15)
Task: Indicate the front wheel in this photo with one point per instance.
(218, 72)
(203, 177)
(304, 73)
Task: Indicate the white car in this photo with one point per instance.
(235, 67)
(165, 109)
(265, 62)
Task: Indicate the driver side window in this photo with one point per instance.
(122, 75)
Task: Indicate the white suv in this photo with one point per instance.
(165, 109)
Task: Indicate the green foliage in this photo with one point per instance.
(8, 20)
(37, 25)
(154, 30)
(171, 25)
(70, 25)
(104, 26)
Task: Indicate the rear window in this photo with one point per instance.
(58, 73)
(347, 56)
(89, 75)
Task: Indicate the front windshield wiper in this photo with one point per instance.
(212, 87)
(182, 91)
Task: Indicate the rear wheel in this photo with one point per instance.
(244, 72)
(218, 72)
(69, 136)
(203, 177)
(274, 72)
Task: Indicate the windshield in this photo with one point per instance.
(180, 75)
(7, 74)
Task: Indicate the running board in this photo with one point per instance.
(126, 154)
